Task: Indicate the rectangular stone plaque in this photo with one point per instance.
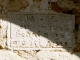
(40, 30)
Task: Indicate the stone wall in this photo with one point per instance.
(68, 7)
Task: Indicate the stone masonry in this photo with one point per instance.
(34, 27)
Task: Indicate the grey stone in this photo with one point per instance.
(78, 40)
(41, 30)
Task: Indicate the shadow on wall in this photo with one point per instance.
(43, 30)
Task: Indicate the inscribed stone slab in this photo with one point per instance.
(41, 30)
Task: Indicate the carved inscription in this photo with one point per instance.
(41, 30)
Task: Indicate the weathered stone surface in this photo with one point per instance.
(49, 6)
(8, 55)
(37, 6)
(28, 55)
(41, 30)
(37, 0)
(3, 32)
(66, 4)
(55, 7)
(16, 5)
(49, 55)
